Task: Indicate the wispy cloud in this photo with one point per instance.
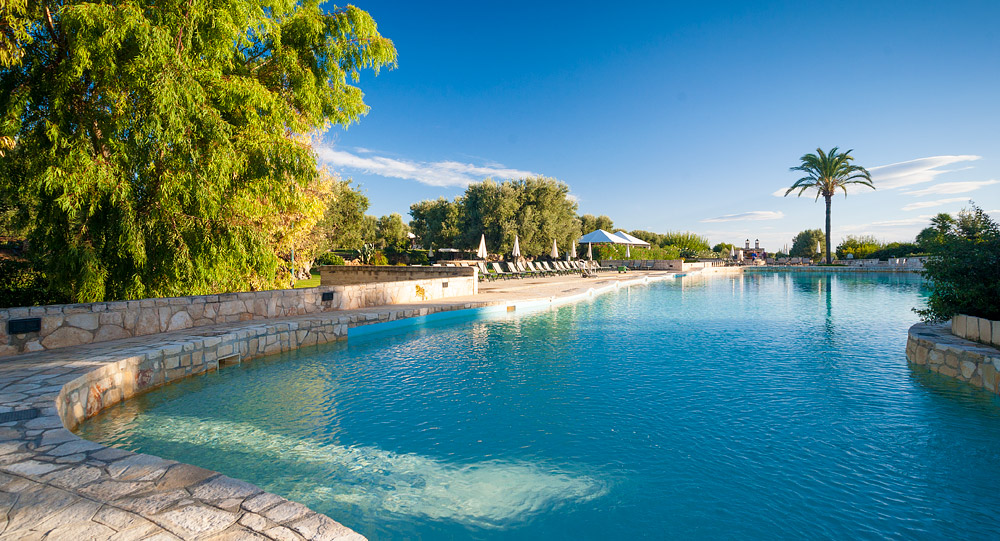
(443, 173)
(948, 188)
(748, 216)
(908, 173)
(919, 171)
(929, 204)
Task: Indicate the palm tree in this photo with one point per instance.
(826, 172)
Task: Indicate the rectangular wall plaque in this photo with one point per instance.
(24, 326)
(328, 296)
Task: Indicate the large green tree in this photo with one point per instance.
(537, 210)
(436, 223)
(156, 145)
(391, 233)
(344, 225)
(590, 223)
(827, 172)
(804, 244)
(963, 267)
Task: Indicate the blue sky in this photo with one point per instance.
(686, 116)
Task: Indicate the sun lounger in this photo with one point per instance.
(500, 273)
(484, 273)
(517, 270)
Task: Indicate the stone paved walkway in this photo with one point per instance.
(54, 485)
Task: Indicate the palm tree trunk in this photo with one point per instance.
(829, 258)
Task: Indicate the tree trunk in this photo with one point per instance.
(829, 256)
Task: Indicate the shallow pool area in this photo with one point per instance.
(745, 406)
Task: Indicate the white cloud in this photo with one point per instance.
(898, 175)
(748, 216)
(908, 173)
(929, 204)
(948, 188)
(443, 173)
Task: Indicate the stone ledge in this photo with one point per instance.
(933, 346)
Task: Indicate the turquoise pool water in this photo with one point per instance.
(751, 407)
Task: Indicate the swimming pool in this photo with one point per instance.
(754, 406)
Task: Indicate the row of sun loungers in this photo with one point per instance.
(509, 269)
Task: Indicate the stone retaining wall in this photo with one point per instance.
(77, 324)
(135, 369)
(933, 346)
(334, 275)
(977, 329)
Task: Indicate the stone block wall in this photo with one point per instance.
(334, 275)
(936, 348)
(977, 329)
(77, 324)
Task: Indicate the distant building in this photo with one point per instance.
(756, 252)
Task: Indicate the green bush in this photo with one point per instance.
(617, 251)
(379, 259)
(418, 257)
(21, 285)
(860, 247)
(964, 269)
(329, 258)
(897, 249)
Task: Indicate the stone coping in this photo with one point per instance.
(835, 268)
(976, 329)
(936, 348)
(56, 485)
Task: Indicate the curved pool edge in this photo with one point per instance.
(52, 481)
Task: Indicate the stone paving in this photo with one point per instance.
(54, 485)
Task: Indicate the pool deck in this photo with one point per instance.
(55, 485)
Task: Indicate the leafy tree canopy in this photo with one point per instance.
(859, 246)
(436, 223)
(344, 225)
(391, 233)
(804, 244)
(157, 146)
(963, 268)
(536, 210)
(590, 223)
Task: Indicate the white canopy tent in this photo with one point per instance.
(634, 241)
(600, 237)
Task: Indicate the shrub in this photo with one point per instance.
(617, 251)
(896, 249)
(21, 285)
(964, 268)
(861, 247)
(379, 259)
(329, 258)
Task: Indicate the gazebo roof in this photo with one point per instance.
(601, 237)
(634, 241)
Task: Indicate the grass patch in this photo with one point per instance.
(313, 281)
